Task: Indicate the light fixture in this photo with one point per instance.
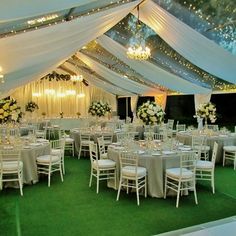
(61, 95)
(70, 92)
(76, 78)
(1, 76)
(42, 19)
(138, 50)
(36, 94)
(49, 91)
(81, 95)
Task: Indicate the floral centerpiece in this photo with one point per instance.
(31, 106)
(61, 114)
(9, 111)
(99, 108)
(206, 111)
(78, 114)
(150, 113)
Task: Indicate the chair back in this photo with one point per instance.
(180, 127)
(187, 161)
(170, 124)
(10, 155)
(107, 137)
(214, 153)
(149, 135)
(197, 141)
(121, 136)
(129, 159)
(213, 127)
(101, 145)
(85, 137)
(93, 153)
(58, 144)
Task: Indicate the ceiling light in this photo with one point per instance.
(49, 91)
(76, 78)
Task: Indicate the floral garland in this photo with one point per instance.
(31, 106)
(150, 113)
(206, 111)
(99, 108)
(9, 111)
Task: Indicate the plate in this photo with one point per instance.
(119, 148)
(185, 148)
(168, 152)
(35, 144)
(156, 154)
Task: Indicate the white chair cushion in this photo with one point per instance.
(104, 163)
(11, 165)
(230, 148)
(130, 171)
(103, 156)
(203, 147)
(204, 164)
(46, 159)
(175, 173)
(69, 140)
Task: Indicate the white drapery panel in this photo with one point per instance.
(150, 71)
(201, 98)
(160, 99)
(98, 82)
(133, 104)
(118, 80)
(13, 9)
(54, 104)
(29, 56)
(199, 50)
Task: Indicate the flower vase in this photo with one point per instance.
(200, 123)
(206, 127)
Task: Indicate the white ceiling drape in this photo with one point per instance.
(31, 55)
(196, 48)
(14, 9)
(98, 82)
(117, 79)
(150, 71)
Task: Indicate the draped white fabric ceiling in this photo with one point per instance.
(31, 55)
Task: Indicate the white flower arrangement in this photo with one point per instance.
(9, 111)
(31, 106)
(99, 108)
(150, 113)
(206, 111)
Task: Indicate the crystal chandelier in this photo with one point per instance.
(76, 78)
(138, 51)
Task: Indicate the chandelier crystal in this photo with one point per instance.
(76, 78)
(139, 52)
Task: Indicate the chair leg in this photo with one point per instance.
(115, 178)
(178, 193)
(224, 158)
(195, 192)
(165, 187)
(49, 178)
(118, 193)
(97, 182)
(212, 182)
(145, 187)
(79, 152)
(137, 191)
(20, 183)
(91, 177)
(61, 173)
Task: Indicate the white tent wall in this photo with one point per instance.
(54, 104)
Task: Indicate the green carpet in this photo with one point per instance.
(72, 208)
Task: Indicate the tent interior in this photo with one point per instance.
(192, 51)
(65, 55)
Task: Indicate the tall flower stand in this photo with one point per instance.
(200, 123)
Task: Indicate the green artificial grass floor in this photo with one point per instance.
(72, 208)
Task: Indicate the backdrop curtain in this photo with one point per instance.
(31, 55)
(196, 48)
(54, 104)
(201, 98)
(150, 71)
(160, 99)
